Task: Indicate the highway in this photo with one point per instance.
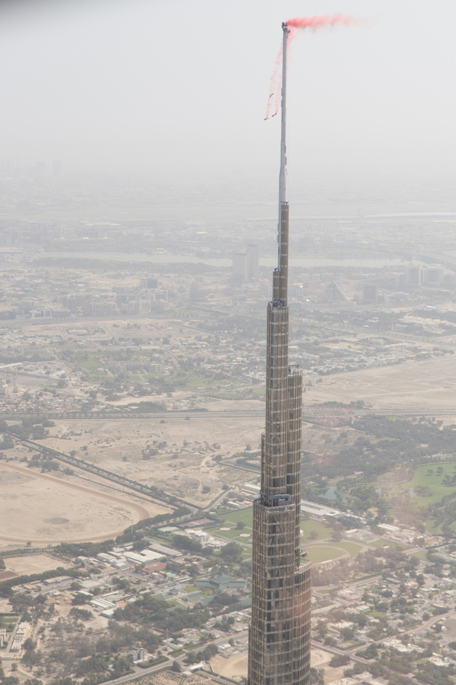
(308, 412)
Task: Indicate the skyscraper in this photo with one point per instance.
(279, 635)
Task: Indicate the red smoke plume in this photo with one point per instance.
(312, 23)
(319, 22)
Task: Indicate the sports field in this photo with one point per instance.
(427, 485)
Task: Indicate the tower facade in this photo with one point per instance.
(279, 634)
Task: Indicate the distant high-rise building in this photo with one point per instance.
(253, 262)
(240, 267)
(279, 634)
(370, 293)
(333, 294)
(57, 168)
(196, 293)
(433, 275)
(413, 276)
(148, 283)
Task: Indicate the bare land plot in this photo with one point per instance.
(318, 657)
(183, 460)
(413, 385)
(32, 563)
(236, 666)
(44, 509)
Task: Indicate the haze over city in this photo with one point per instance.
(228, 327)
(178, 90)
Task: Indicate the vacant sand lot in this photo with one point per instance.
(318, 658)
(414, 385)
(44, 509)
(184, 464)
(32, 563)
(236, 666)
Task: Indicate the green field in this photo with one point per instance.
(351, 547)
(232, 534)
(244, 515)
(420, 555)
(317, 554)
(324, 532)
(322, 551)
(433, 481)
(384, 543)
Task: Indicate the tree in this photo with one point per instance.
(240, 525)
(232, 552)
(81, 614)
(314, 534)
(79, 598)
(339, 660)
(347, 633)
(185, 543)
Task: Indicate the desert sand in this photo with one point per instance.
(44, 509)
(415, 385)
(236, 666)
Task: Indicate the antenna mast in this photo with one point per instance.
(283, 145)
(280, 278)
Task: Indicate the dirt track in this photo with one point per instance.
(94, 509)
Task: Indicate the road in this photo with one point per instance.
(308, 412)
(7, 653)
(153, 669)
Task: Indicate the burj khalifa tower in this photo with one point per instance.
(279, 634)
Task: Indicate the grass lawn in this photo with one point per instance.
(244, 515)
(352, 548)
(232, 534)
(432, 526)
(91, 363)
(420, 555)
(433, 481)
(384, 543)
(318, 553)
(377, 614)
(322, 530)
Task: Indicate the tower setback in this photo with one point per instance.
(279, 634)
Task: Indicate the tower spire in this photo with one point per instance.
(279, 635)
(280, 280)
(283, 142)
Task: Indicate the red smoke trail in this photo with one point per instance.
(320, 22)
(312, 23)
(274, 89)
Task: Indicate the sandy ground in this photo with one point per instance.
(185, 466)
(332, 674)
(318, 658)
(236, 666)
(429, 384)
(34, 563)
(44, 509)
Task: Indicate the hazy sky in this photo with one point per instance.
(180, 86)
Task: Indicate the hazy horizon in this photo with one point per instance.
(177, 91)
